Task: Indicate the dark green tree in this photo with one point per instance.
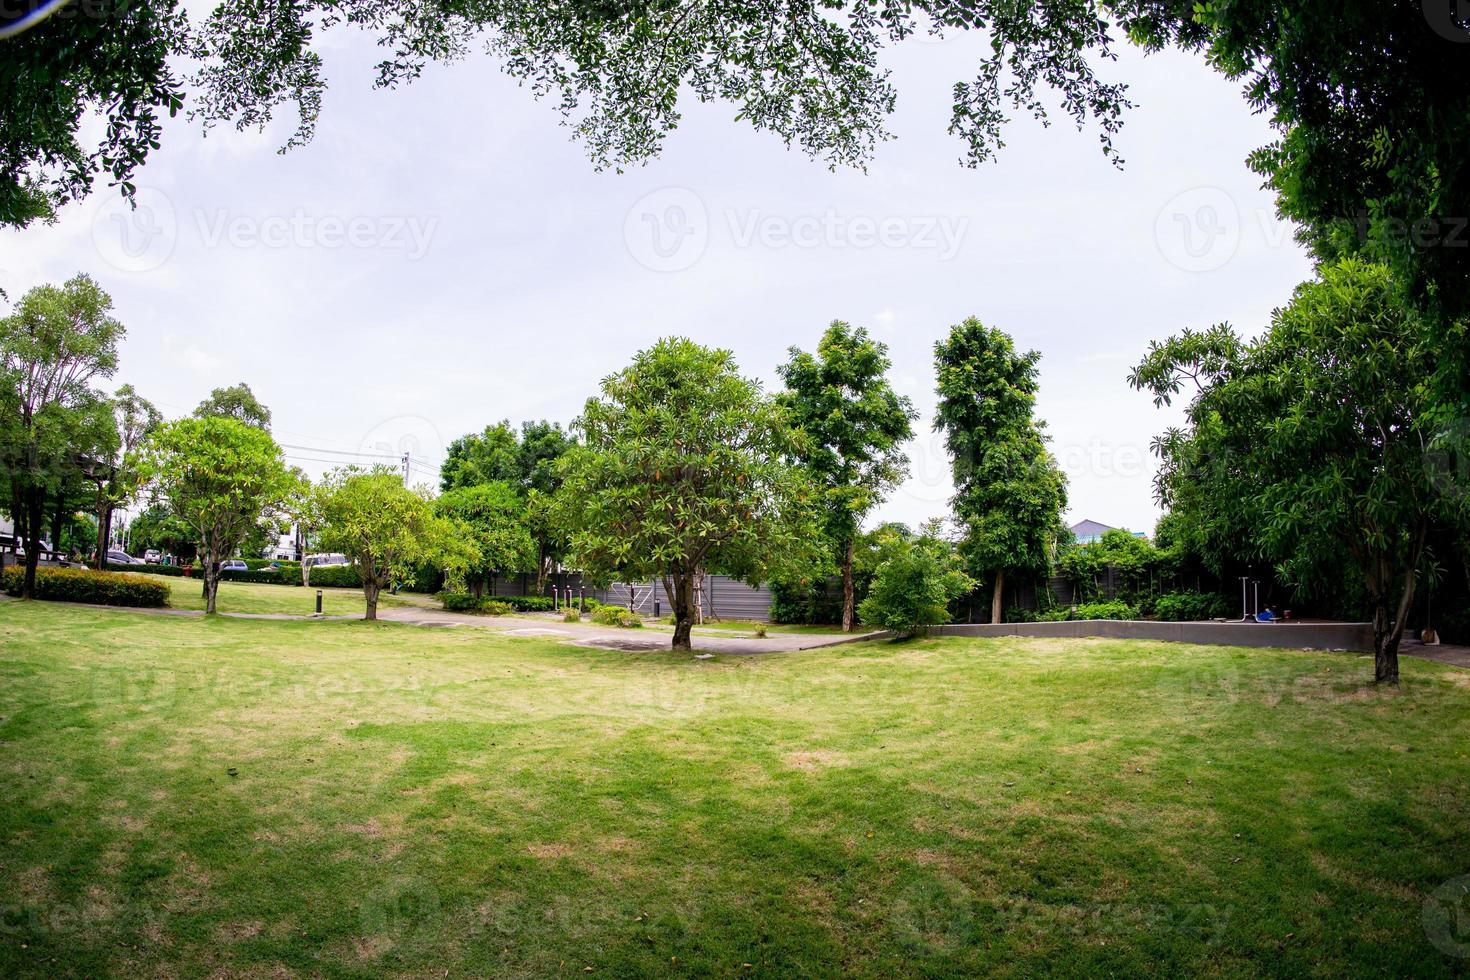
(855, 426)
(52, 422)
(1317, 438)
(684, 468)
(494, 516)
(1009, 492)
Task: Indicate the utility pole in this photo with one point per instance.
(405, 469)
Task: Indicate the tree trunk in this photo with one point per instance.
(847, 590)
(211, 584)
(104, 534)
(370, 590)
(997, 595)
(683, 611)
(35, 514)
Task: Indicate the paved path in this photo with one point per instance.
(590, 634)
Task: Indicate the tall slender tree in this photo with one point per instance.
(56, 343)
(855, 426)
(1009, 492)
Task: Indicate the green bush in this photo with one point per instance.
(335, 577)
(264, 576)
(1189, 605)
(471, 603)
(84, 585)
(616, 616)
(572, 615)
(460, 601)
(810, 603)
(146, 569)
(913, 589)
(1117, 609)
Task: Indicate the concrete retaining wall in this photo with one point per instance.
(1357, 637)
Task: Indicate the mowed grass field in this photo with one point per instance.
(342, 799)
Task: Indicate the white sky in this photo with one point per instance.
(443, 256)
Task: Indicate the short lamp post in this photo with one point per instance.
(318, 602)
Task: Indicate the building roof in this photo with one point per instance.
(1090, 528)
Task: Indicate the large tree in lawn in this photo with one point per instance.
(1313, 439)
(56, 343)
(218, 475)
(855, 426)
(1009, 492)
(387, 529)
(684, 468)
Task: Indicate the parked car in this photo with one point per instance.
(234, 565)
(313, 561)
(122, 558)
(152, 556)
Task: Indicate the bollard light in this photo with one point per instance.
(318, 602)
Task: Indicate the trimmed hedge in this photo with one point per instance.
(146, 569)
(334, 577)
(1117, 609)
(85, 585)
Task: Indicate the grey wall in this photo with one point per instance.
(1357, 637)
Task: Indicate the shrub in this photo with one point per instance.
(84, 585)
(913, 589)
(1189, 605)
(1116, 609)
(617, 616)
(571, 616)
(810, 603)
(335, 577)
(146, 569)
(493, 607)
(460, 601)
(264, 576)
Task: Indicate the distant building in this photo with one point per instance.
(1087, 531)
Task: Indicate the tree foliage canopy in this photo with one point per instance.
(218, 475)
(1313, 444)
(685, 468)
(386, 528)
(1009, 492)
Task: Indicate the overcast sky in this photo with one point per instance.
(443, 256)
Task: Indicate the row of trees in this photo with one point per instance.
(685, 467)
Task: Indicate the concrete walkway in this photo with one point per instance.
(611, 637)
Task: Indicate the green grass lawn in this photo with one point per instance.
(254, 597)
(188, 798)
